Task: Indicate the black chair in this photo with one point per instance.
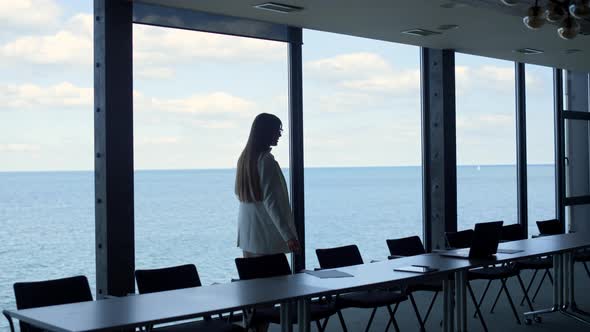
(412, 246)
(178, 277)
(555, 227)
(550, 227)
(463, 239)
(349, 255)
(516, 232)
(50, 292)
(460, 239)
(273, 266)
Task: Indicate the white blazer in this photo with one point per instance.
(265, 227)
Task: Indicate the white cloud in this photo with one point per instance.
(157, 73)
(164, 140)
(403, 82)
(486, 123)
(19, 147)
(214, 103)
(472, 80)
(352, 65)
(366, 72)
(71, 45)
(153, 45)
(27, 96)
(215, 124)
(28, 13)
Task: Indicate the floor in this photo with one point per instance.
(501, 320)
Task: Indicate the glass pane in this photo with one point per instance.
(486, 148)
(46, 145)
(194, 105)
(362, 143)
(577, 163)
(540, 145)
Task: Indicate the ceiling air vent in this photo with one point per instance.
(420, 32)
(573, 50)
(528, 51)
(278, 7)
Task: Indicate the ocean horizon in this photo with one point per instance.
(233, 168)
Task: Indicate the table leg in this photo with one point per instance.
(448, 305)
(303, 315)
(286, 324)
(557, 291)
(461, 300)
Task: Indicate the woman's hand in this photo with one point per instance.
(293, 245)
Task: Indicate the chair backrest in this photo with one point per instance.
(263, 266)
(513, 232)
(169, 278)
(461, 239)
(332, 258)
(550, 227)
(407, 246)
(50, 292)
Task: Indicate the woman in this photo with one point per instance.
(265, 220)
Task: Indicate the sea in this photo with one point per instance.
(190, 216)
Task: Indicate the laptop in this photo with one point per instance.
(486, 237)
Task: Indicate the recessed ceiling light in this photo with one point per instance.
(572, 51)
(528, 50)
(278, 7)
(445, 27)
(420, 32)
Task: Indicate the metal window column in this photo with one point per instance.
(521, 157)
(559, 140)
(296, 141)
(576, 133)
(439, 150)
(113, 146)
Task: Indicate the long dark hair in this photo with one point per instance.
(262, 133)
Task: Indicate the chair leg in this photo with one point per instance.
(483, 323)
(485, 291)
(420, 321)
(342, 322)
(526, 295)
(392, 317)
(496, 300)
(319, 325)
(550, 276)
(10, 322)
(510, 301)
(528, 287)
(430, 307)
(539, 286)
(371, 319)
(586, 268)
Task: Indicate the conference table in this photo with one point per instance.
(297, 290)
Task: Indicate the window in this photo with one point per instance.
(46, 146)
(540, 145)
(363, 180)
(194, 104)
(486, 141)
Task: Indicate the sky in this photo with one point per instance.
(196, 94)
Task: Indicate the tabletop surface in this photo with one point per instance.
(194, 302)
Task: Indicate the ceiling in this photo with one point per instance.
(486, 27)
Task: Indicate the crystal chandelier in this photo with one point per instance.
(564, 13)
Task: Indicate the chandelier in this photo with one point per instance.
(564, 13)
